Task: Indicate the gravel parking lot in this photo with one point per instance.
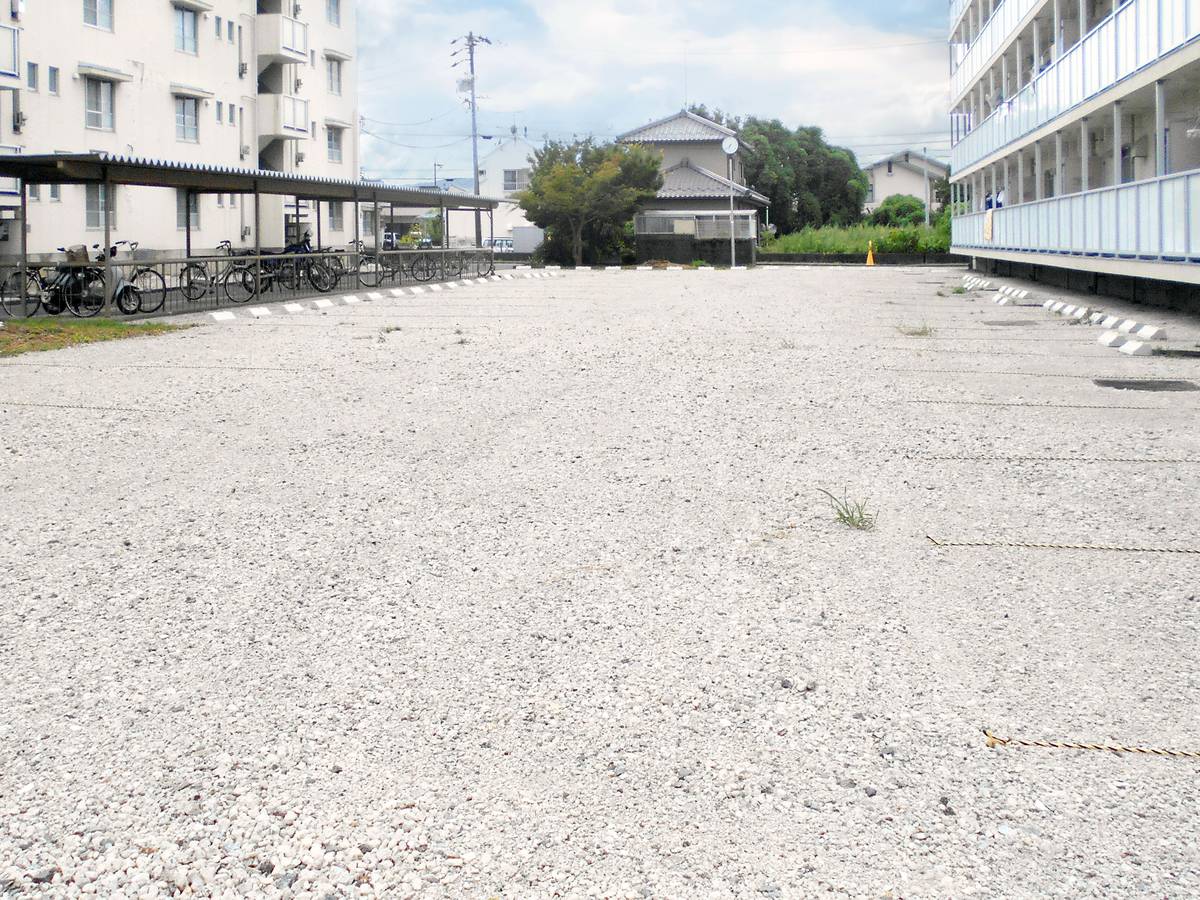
(528, 590)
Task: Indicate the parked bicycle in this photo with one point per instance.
(78, 286)
(195, 280)
(247, 280)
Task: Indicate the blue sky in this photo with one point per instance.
(872, 74)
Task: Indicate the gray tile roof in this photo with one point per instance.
(683, 127)
(685, 181)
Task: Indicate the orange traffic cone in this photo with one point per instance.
(870, 253)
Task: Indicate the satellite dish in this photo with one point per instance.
(730, 145)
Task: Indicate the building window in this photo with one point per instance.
(333, 141)
(889, 167)
(187, 123)
(220, 199)
(233, 201)
(516, 179)
(220, 32)
(96, 199)
(55, 193)
(98, 13)
(333, 12)
(32, 75)
(232, 113)
(52, 79)
(185, 30)
(187, 210)
(35, 192)
(98, 98)
(220, 113)
(229, 30)
(333, 69)
(337, 219)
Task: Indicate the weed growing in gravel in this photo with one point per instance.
(458, 331)
(941, 293)
(462, 340)
(922, 330)
(851, 513)
(785, 344)
(960, 290)
(388, 329)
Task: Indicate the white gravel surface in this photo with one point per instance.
(536, 596)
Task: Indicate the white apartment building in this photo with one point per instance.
(906, 173)
(1083, 118)
(246, 84)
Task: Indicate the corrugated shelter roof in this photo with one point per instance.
(685, 181)
(95, 168)
(682, 127)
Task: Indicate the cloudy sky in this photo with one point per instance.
(872, 74)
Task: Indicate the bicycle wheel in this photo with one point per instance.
(240, 284)
(454, 266)
(319, 276)
(424, 268)
(152, 288)
(370, 273)
(194, 281)
(85, 296)
(16, 302)
(128, 299)
(335, 265)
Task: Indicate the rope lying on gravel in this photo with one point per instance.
(993, 742)
(1033, 405)
(77, 406)
(1023, 545)
(1070, 459)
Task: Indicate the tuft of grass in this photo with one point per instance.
(941, 293)
(922, 330)
(462, 340)
(960, 290)
(785, 344)
(851, 513)
(35, 335)
(388, 329)
(698, 264)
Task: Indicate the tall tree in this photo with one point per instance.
(582, 187)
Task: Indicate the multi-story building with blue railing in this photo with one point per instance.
(1076, 132)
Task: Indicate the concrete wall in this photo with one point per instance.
(684, 249)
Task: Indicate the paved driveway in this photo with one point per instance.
(530, 589)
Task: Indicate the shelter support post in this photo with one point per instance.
(108, 285)
(257, 238)
(187, 223)
(24, 248)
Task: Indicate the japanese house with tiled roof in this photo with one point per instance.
(689, 219)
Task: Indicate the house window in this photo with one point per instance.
(32, 75)
(333, 69)
(55, 193)
(187, 124)
(220, 113)
(96, 200)
(516, 179)
(889, 167)
(187, 209)
(333, 140)
(98, 100)
(337, 220)
(333, 11)
(185, 30)
(98, 13)
(52, 79)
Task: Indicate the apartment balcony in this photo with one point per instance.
(282, 116)
(1003, 24)
(280, 39)
(10, 55)
(1156, 220)
(957, 7)
(1139, 34)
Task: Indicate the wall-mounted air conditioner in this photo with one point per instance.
(19, 121)
(245, 150)
(243, 68)
(245, 232)
(299, 158)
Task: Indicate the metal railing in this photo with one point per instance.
(293, 112)
(293, 35)
(1155, 219)
(1141, 32)
(993, 37)
(181, 285)
(957, 7)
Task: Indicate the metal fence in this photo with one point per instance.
(134, 287)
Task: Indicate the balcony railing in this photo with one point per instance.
(281, 39)
(1156, 219)
(995, 35)
(1141, 32)
(294, 35)
(10, 51)
(956, 10)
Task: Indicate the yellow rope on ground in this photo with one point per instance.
(993, 741)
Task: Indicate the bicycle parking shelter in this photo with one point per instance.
(198, 178)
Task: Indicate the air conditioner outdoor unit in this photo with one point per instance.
(19, 121)
(299, 158)
(299, 83)
(245, 232)
(245, 150)
(243, 68)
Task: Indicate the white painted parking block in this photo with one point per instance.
(1136, 348)
(1128, 326)
(396, 292)
(554, 268)
(293, 307)
(508, 276)
(1111, 321)
(496, 278)
(1048, 304)
(1022, 295)
(417, 290)
(1151, 333)
(1068, 310)
(481, 281)
(223, 316)
(612, 268)
(1057, 306)
(374, 295)
(352, 298)
(520, 268)
(1096, 318)
(258, 311)
(1081, 312)
(322, 303)
(436, 287)
(1112, 339)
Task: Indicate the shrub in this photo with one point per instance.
(899, 210)
(853, 239)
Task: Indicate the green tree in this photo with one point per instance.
(583, 187)
(898, 210)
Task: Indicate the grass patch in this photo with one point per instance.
(922, 330)
(960, 290)
(699, 264)
(33, 335)
(388, 329)
(851, 513)
(854, 239)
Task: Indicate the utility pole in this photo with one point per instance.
(925, 167)
(469, 43)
